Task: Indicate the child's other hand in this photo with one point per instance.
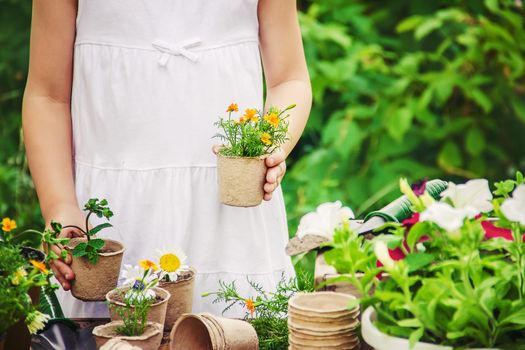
(66, 215)
(276, 164)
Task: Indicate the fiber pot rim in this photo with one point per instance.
(189, 278)
(77, 240)
(157, 328)
(264, 156)
(156, 289)
(327, 312)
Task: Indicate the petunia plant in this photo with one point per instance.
(453, 274)
(253, 134)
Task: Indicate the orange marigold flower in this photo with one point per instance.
(241, 120)
(250, 305)
(148, 264)
(8, 224)
(233, 108)
(272, 119)
(39, 266)
(266, 139)
(251, 115)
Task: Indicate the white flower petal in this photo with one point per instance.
(474, 194)
(327, 217)
(446, 216)
(382, 254)
(514, 208)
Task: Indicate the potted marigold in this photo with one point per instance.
(22, 270)
(241, 166)
(456, 270)
(93, 258)
(140, 282)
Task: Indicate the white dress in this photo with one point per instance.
(150, 79)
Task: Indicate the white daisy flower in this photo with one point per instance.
(172, 263)
(131, 274)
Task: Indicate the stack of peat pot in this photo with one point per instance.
(322, 320)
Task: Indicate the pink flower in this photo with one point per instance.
(420, 187)
(411, 221)
(492, 231)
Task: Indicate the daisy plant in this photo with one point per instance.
(92, 248)
(254, 133)
(141, 279)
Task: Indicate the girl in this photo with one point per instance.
(120, 103)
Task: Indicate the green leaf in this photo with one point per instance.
(98, 228)
(475, 142)
(415, 336)
(399, 123)
(428, 26)
(97, 243)
(449, 157)
(410, 323)
(481, 99)
(80, 249)
(418, 260)
(416, 232)
(409, 23)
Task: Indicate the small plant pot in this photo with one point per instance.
(205, 331)
(157, 312)
(241, 180)
(381, 341)
(149, 340)
(327, 305)
(181, 300)
(94, 281)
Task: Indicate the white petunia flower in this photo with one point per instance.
(172, 262)
(324, 220)
(473, 196)
(514, 208)
(382, 254)
(446, 216)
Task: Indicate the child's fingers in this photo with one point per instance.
(276, 173)
(278, 156)
(215, 149)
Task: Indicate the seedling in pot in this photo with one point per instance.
(94, 246)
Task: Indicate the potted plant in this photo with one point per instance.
(22, 270)
(140, 282)
(93, 257)
(241, 166)
(176, 277)
(456, 270)
(134, 327)
(266, 311)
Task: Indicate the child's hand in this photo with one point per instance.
(276, 164)
(66, 215)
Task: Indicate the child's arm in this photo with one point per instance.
(287, 78)
(46, 116)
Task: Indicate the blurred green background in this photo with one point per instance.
(401, 88)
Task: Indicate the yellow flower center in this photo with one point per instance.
(170, 262)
